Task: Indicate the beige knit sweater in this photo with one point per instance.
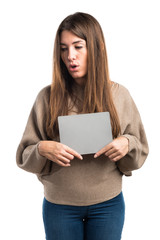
(89, 181)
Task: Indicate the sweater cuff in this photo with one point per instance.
(131, 143)
(38, 155)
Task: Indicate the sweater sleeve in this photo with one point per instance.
(27, 156)
(132, 128)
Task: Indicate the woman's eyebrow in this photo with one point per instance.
(78, 41)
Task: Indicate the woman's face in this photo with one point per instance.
(74, 55)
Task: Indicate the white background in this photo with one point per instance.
(27, 30)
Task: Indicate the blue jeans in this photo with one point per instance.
(102, 221)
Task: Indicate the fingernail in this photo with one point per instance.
(95, 155)
(81, 157)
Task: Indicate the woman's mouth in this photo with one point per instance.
(73, 68)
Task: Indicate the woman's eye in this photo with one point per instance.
(78, 47)
(63, 49)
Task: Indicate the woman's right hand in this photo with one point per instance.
(57, 152)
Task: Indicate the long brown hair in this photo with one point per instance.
(97, 93)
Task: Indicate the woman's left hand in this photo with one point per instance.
(115, 150)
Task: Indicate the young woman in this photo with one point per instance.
(83, 194)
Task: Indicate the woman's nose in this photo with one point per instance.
(71, 54)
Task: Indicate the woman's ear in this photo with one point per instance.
(102, 45)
